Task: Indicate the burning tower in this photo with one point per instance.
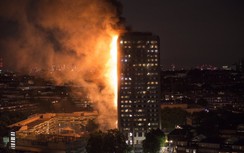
(139, 85)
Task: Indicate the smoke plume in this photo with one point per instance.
(71, 36)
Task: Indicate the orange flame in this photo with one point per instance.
(113, 70)
(111, 82)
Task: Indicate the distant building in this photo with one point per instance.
(240, 66)
(1, 63)
(139, 85)
(189, 140)
(18, 106)
(188, 108)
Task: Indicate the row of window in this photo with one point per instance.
(148, 87)
(152, 91)
(125, 88)
(126, 106)
(126, 92)
(125, 83)
(152, 80)
(150, 84)
(140, 46)
(141, 53)
(152, 51)
(151, 55)
(124, 60)
(152, 60)
(144, 87)
(138, 114)
(126, 78)
(152, 88)
(138, 110)
(145, 65)
(138, 42)
(152, 73)
(152, 110)
(129, 56)
(152, 115)
(145, 68)
(125, 97)
(126, 110)
(140, 124)
(126, 101)
(139, 96)
(129, 71)
(137, 101)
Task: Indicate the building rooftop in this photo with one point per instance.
(36, 122)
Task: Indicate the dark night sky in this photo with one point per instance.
(192, 32)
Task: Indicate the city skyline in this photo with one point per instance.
(93, 76)
(192, 33)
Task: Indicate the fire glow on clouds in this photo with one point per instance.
(75, 33)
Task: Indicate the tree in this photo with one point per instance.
(91, 126)
(111, 141)
(155, 139)
(94, 143)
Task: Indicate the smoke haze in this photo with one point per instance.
(72, 35)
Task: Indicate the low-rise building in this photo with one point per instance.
(52, 132)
